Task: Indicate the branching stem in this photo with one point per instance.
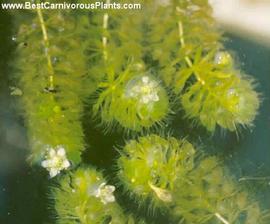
(190, 64)
(47, 45)
(187, 59)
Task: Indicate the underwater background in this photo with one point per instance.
(24, 190)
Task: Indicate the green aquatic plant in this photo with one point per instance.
(53, 83)
(210, 195)
(135, 103)
(187, 46)
(194, 188)
(182, 47)
(150, 166)
(83, 196)
(129, 95)
(133, 69)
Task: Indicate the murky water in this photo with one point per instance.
(23, 190)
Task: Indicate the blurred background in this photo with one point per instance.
(247, 18)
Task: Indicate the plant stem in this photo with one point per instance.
(190, 64)
(104, 38)
(221, 218)
(187, 59)
(47, 45)
(253, 178)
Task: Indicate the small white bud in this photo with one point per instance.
(61, 152)
(105, 193)
(145, 79)
(55, 161)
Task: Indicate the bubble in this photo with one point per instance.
(55, 60)
(231, 92)
(193, 8)
(223, 58)
(46, 50)
(61, 29)
(34, 26)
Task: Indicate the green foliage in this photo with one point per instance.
(149, 166)
(53, 83)
(134, 103)
(208, 194)
(123, 97)
(180, 42)
(187, 47)
(130, 62)
(196, 189)
(83, 197)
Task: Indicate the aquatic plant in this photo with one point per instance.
(83, 196)
(80, 194)
(52, 82)
(194, 188)
(187, 46)
(133, 70)
(183, 48)
(139, 104)
(129, 96)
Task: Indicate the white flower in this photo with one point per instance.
(105, 193)
(55, 161)
(145, 79)
(146, 90)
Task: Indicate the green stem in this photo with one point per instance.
(104, 38)
(190, 64)
(221, 218)
(254, 178)
(187, 59)
(47, 45)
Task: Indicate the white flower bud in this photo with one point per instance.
(55, 161)
(105, 193)
(144, 89)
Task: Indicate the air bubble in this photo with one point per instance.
(46, 51)
(34, 26)
(223, 58)
(193, 8)
(231, 92)
(55, 60)
(61, 29)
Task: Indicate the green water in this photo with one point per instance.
(23, 190)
